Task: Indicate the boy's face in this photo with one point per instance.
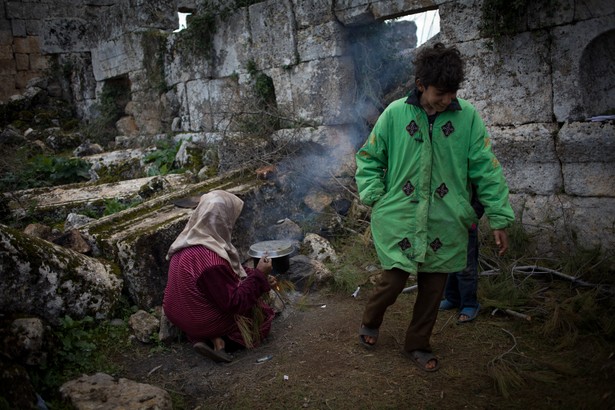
(434, 99)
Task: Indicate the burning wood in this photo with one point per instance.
(266, 172)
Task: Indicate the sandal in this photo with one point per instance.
(446, 305)
(366, 331)
(470, 312)
(421, 358)
(215, 355)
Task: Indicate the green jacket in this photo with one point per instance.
(420, 185)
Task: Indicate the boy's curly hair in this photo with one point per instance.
(440, 66)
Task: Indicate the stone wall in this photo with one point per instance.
(535, 88)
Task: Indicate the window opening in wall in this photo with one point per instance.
(427, 24)
(597, 75)
(183, 21)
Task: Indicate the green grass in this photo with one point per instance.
(82, 346)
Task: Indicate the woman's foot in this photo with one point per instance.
(218, 343)
(217, 354)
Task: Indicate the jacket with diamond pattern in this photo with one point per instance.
(420, 185)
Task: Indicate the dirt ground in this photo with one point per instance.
(318, 363)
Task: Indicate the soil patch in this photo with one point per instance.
(317, 362)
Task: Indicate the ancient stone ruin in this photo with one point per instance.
(291, 82)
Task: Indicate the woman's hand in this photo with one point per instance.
(273, 282)
(264, 265)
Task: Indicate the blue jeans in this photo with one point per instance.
(461, 286)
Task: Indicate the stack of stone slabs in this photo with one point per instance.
(56, 202)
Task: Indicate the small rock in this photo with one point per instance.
(304, 271)
(73, 239)
(16, 387)
(102, 391)
(152, 187)
(168, 331)
(87, 148)
(317, 201)
(285, 229)
(11, 136)
(74, 221)
(39, 231)
(143, 326)
(320, 248)
(29, 336)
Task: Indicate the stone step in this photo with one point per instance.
(57, 202)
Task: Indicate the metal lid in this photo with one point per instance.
(273, 249)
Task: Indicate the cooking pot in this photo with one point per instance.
(279, 251)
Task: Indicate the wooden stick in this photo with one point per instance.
(513, 313)
(518, 314)
(409, 289)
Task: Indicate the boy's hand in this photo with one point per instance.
(501, 240)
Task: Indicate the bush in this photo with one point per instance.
(44, 170)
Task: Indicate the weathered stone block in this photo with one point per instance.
(22, 62)
(231, 44)
(548, 14)
(6, 37)
(459, 21)
(38, 62)
(589, 179)
(353, 12)
(26, 45)
(387, 9)
(7, 67)
(562, 222)
(33, 27)
(593, 8)
(312, 13)
(273, 34)
(499, 84)
(62, 35)
(197, 101)
(117, 57)
(46, 280)
(7, 85)
(587, 153)
(6, 52)
(322, 41)
(336, 76)
(23, 77)
(182, 66)
(15, 9)
(18, 27)
(145, 108)
(586, 142)
(527, 154)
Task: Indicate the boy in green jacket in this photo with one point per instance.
(416, 170)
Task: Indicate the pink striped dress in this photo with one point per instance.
(203, 295)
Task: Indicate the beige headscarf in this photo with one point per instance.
(211, 225)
